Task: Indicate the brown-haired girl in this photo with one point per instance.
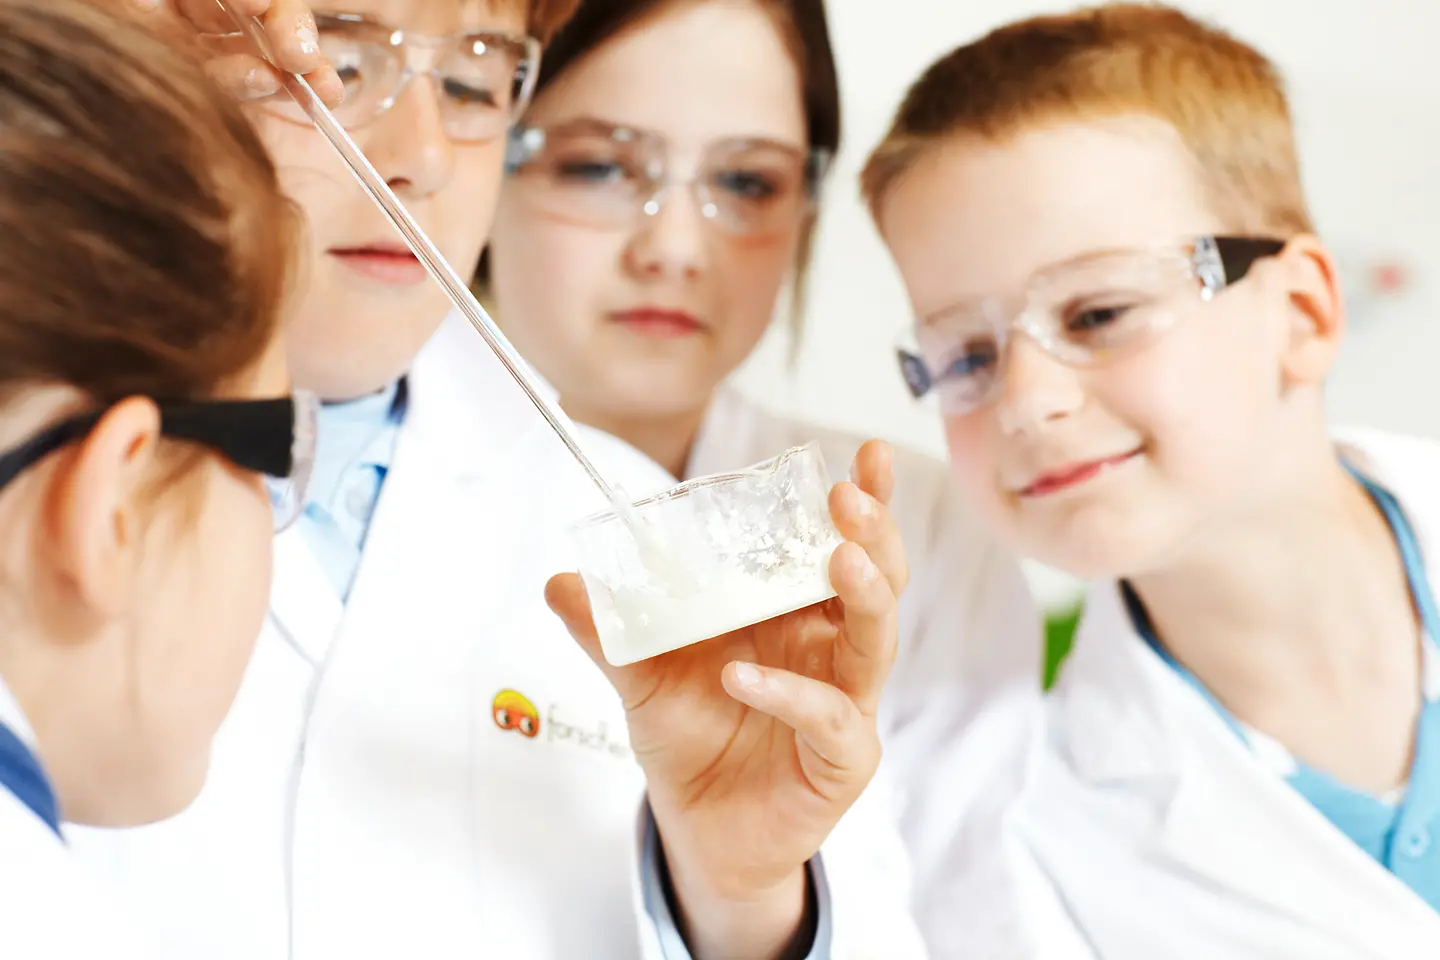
(144, 403)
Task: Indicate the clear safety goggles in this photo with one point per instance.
(603, 175)
(483, 80)
(275, 438)
(1082, 312)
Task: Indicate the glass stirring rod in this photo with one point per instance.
(439, 269)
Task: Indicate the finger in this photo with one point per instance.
(206, 15)
(566, 597)
(864, 520)
(294, 40)
(323, 80)
(866, 647)
(873, 470)
(327, 84)
(842, 749)
(244, 77)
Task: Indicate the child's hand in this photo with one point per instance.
(237, 67)
(755, 743)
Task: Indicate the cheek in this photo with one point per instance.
(309, 171)
(548, 307)
(464, 209)
(974, 459)
(747, 275)
(1204, 397)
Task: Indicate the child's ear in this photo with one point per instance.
(94, 506)
(1315, 309)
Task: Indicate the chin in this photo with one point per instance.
(339, 374)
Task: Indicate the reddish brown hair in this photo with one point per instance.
(1224, 99)
(146, 243)
(545, 17)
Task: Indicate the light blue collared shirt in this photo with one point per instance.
(354, 447)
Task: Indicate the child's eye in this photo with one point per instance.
(973, 361)
(1094, 318)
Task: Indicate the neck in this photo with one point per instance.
(1304, 595)
(666, 439)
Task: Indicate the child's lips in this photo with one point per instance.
(1073, 474)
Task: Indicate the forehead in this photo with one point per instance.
(678, 73)
(434, 16)
(977, 217)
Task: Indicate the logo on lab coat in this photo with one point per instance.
(513, 710)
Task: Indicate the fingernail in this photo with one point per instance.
(307, 35)
(260, 82)
(865, 504)
(748, 676)
(868, 570)
(147, 6)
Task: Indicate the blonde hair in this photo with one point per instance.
(1223, 98)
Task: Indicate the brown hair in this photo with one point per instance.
(146, 244)
(544, 17)
(806, 32)
(1224, 99)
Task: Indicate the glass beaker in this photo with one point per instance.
(714, 554)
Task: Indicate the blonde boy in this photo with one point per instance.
(1128, 319)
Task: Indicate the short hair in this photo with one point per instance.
(1223, 98)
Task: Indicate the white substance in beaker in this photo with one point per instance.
(676, 610)
(711, 556)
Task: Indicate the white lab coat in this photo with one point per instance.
(363, 801)
(1133, 824)
(51, 907)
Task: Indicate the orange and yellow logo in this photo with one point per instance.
(512, 710)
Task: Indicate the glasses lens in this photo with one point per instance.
(287, 494)
(485, 84)
(962, 352)
(368, 65)
(756, 188)
(1094, 308)
(591, 177)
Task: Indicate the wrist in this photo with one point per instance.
(730, 922)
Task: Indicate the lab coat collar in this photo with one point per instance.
(1118, 699)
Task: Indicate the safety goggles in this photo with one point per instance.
(483, 80)
(275, 438)
(604, 175)
(1083, 312)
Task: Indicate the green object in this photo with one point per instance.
(1059, 636)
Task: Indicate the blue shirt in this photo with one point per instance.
(355, 444)
(1399, 829)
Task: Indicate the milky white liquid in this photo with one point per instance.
(710, 556)
(677, 607)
